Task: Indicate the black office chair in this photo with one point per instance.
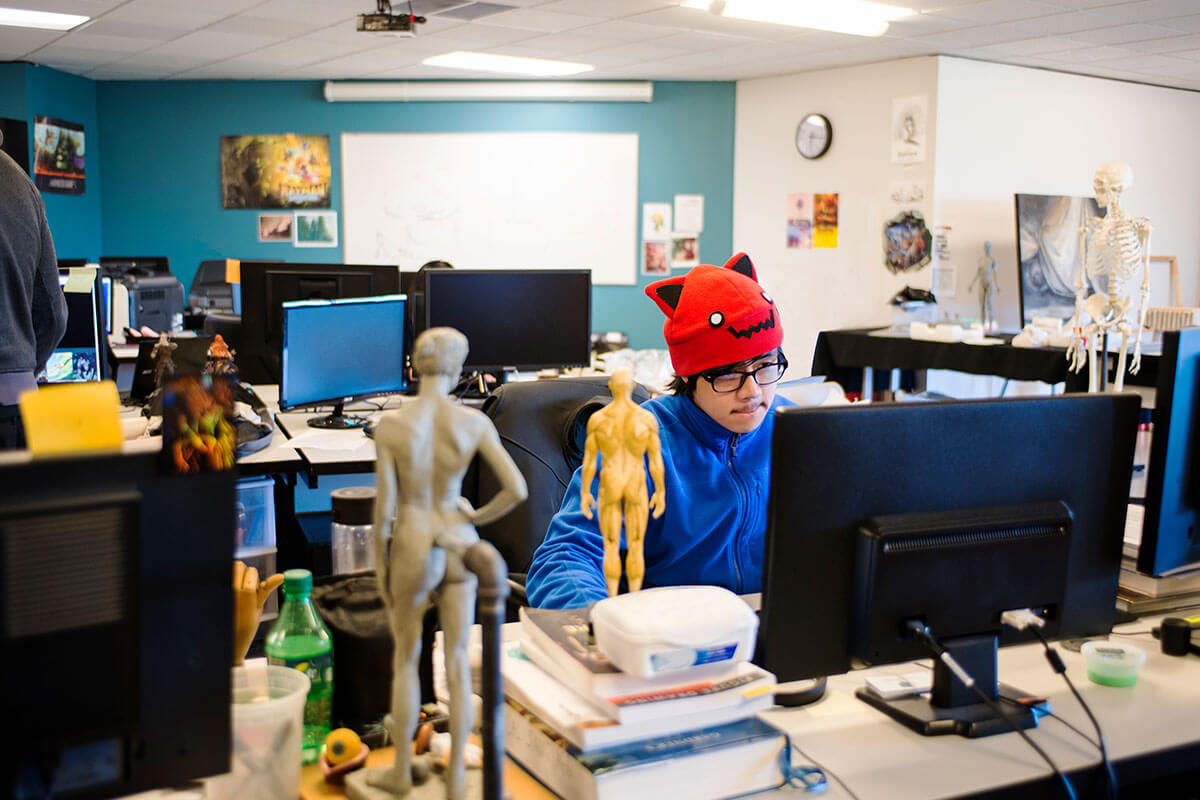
(543, 426)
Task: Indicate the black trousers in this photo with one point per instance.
(12, 432)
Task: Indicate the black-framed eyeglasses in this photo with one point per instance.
(764, 375)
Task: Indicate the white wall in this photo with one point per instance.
(826, 288)
(1003, 130)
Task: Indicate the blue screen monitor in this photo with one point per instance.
(337, 351)
(77, 357)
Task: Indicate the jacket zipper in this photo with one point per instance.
(737, 536)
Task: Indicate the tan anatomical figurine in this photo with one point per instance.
(623, 435)
(423, 528)
(249, 595)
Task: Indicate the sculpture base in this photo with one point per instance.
(434, 788)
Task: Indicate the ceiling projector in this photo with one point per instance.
(385, 22)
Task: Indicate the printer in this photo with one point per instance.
(145, 293)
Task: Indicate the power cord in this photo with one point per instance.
(921, 632)
(1025, 619)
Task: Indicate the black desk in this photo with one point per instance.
(840, 355)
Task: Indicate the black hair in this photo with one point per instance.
(687, 386)
(436, 264)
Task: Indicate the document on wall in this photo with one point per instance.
(689, 212)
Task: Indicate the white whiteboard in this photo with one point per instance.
(527, 200)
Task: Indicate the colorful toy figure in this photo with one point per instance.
(624, 436)
(220, 359)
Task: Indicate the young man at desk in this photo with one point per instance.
(724, 334)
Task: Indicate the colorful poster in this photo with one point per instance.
(656, 222)
(274, 227)
(907, 242)
(685, 250)
(654, 258)
(275, 171)
(825, 220)
(800, 220)
(58, 156)
(315, 229)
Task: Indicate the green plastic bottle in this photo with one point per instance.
(300, 640)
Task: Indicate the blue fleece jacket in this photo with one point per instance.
(711, 533)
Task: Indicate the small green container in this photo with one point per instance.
(1112, 663)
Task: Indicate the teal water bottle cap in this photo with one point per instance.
(297, 581)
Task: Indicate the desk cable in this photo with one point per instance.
(921, 632)
(1024, 619)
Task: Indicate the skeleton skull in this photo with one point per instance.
(1111, 180)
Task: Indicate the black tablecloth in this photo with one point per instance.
(837, 351)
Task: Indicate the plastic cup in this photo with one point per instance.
(267, 731)
(1112, 663)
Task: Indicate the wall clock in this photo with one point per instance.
(814, 134)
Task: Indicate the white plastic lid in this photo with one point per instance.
(676, 615)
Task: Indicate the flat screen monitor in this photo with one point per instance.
(514, 319)
(336, 351)
(77, 359)
(116, 626)
(947, 514)
(1169, 532)
(267, 285)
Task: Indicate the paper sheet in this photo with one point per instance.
(80, 280)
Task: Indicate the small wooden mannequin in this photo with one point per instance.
(249, 596)
(623, 435)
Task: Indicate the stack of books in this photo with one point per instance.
(587, 730)
(1139, 593)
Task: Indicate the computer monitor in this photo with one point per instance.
(116, 625)
(1170, 537)
(78, 357)
(946, 513)
(337, 351)
(267, 285)
(514, 318)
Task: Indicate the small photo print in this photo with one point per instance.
(685, 250)
(315, 229)
(799, 234)
(654, 259)
(274, 227)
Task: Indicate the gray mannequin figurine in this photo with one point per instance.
(423, 527)
(985, 276)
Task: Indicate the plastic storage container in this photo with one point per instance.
(300, 640)
(1112, 663)
(674, 628)
(351, 543)
(255, 514)
(267, 731)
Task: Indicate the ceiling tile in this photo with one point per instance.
(1001, 11)
(215, 45)
(180, 14)
(88, 8)
(128, 30)
(278, 28)
(612, 8)
(1190, 23)
(478, 37)
(982, 35)
(1031, 47)
(623, 31)
(89, 41)
(1148, 63)
(1091, 54)
(534, 19)
(925, 24)
(1120, 34)
(698, 20)
(1151, 10)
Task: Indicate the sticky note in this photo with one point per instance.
(233, 270)
(73, 417)
(80, 279)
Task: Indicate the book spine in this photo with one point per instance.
(548, 760)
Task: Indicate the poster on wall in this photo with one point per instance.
(1048, 253)
(58, 156)
(689, 212)
(315, 229)
(800, 221)
(825, 220)
(907, 242)
(656, 222)
(274, 227)
(685, 250)
(944, 272)
(654, 258)
(275, 171)
(910, 126)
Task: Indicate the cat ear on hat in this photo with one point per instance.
(740, 263)
(666, 294)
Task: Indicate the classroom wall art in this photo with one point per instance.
(58, 164)
(275, 171)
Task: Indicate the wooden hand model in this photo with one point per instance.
(623, 435)
(248, 598)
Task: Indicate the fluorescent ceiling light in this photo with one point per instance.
(47, 20)
(475, 91)
(857, 17)
(487, 62)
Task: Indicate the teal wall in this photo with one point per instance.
(161, 140)
(12, 91)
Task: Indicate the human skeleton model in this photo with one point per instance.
(985, 276)
(423, 526)
(623, 435)
(1117, 246)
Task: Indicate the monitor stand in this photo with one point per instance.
(337, 420)
(954, 708)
